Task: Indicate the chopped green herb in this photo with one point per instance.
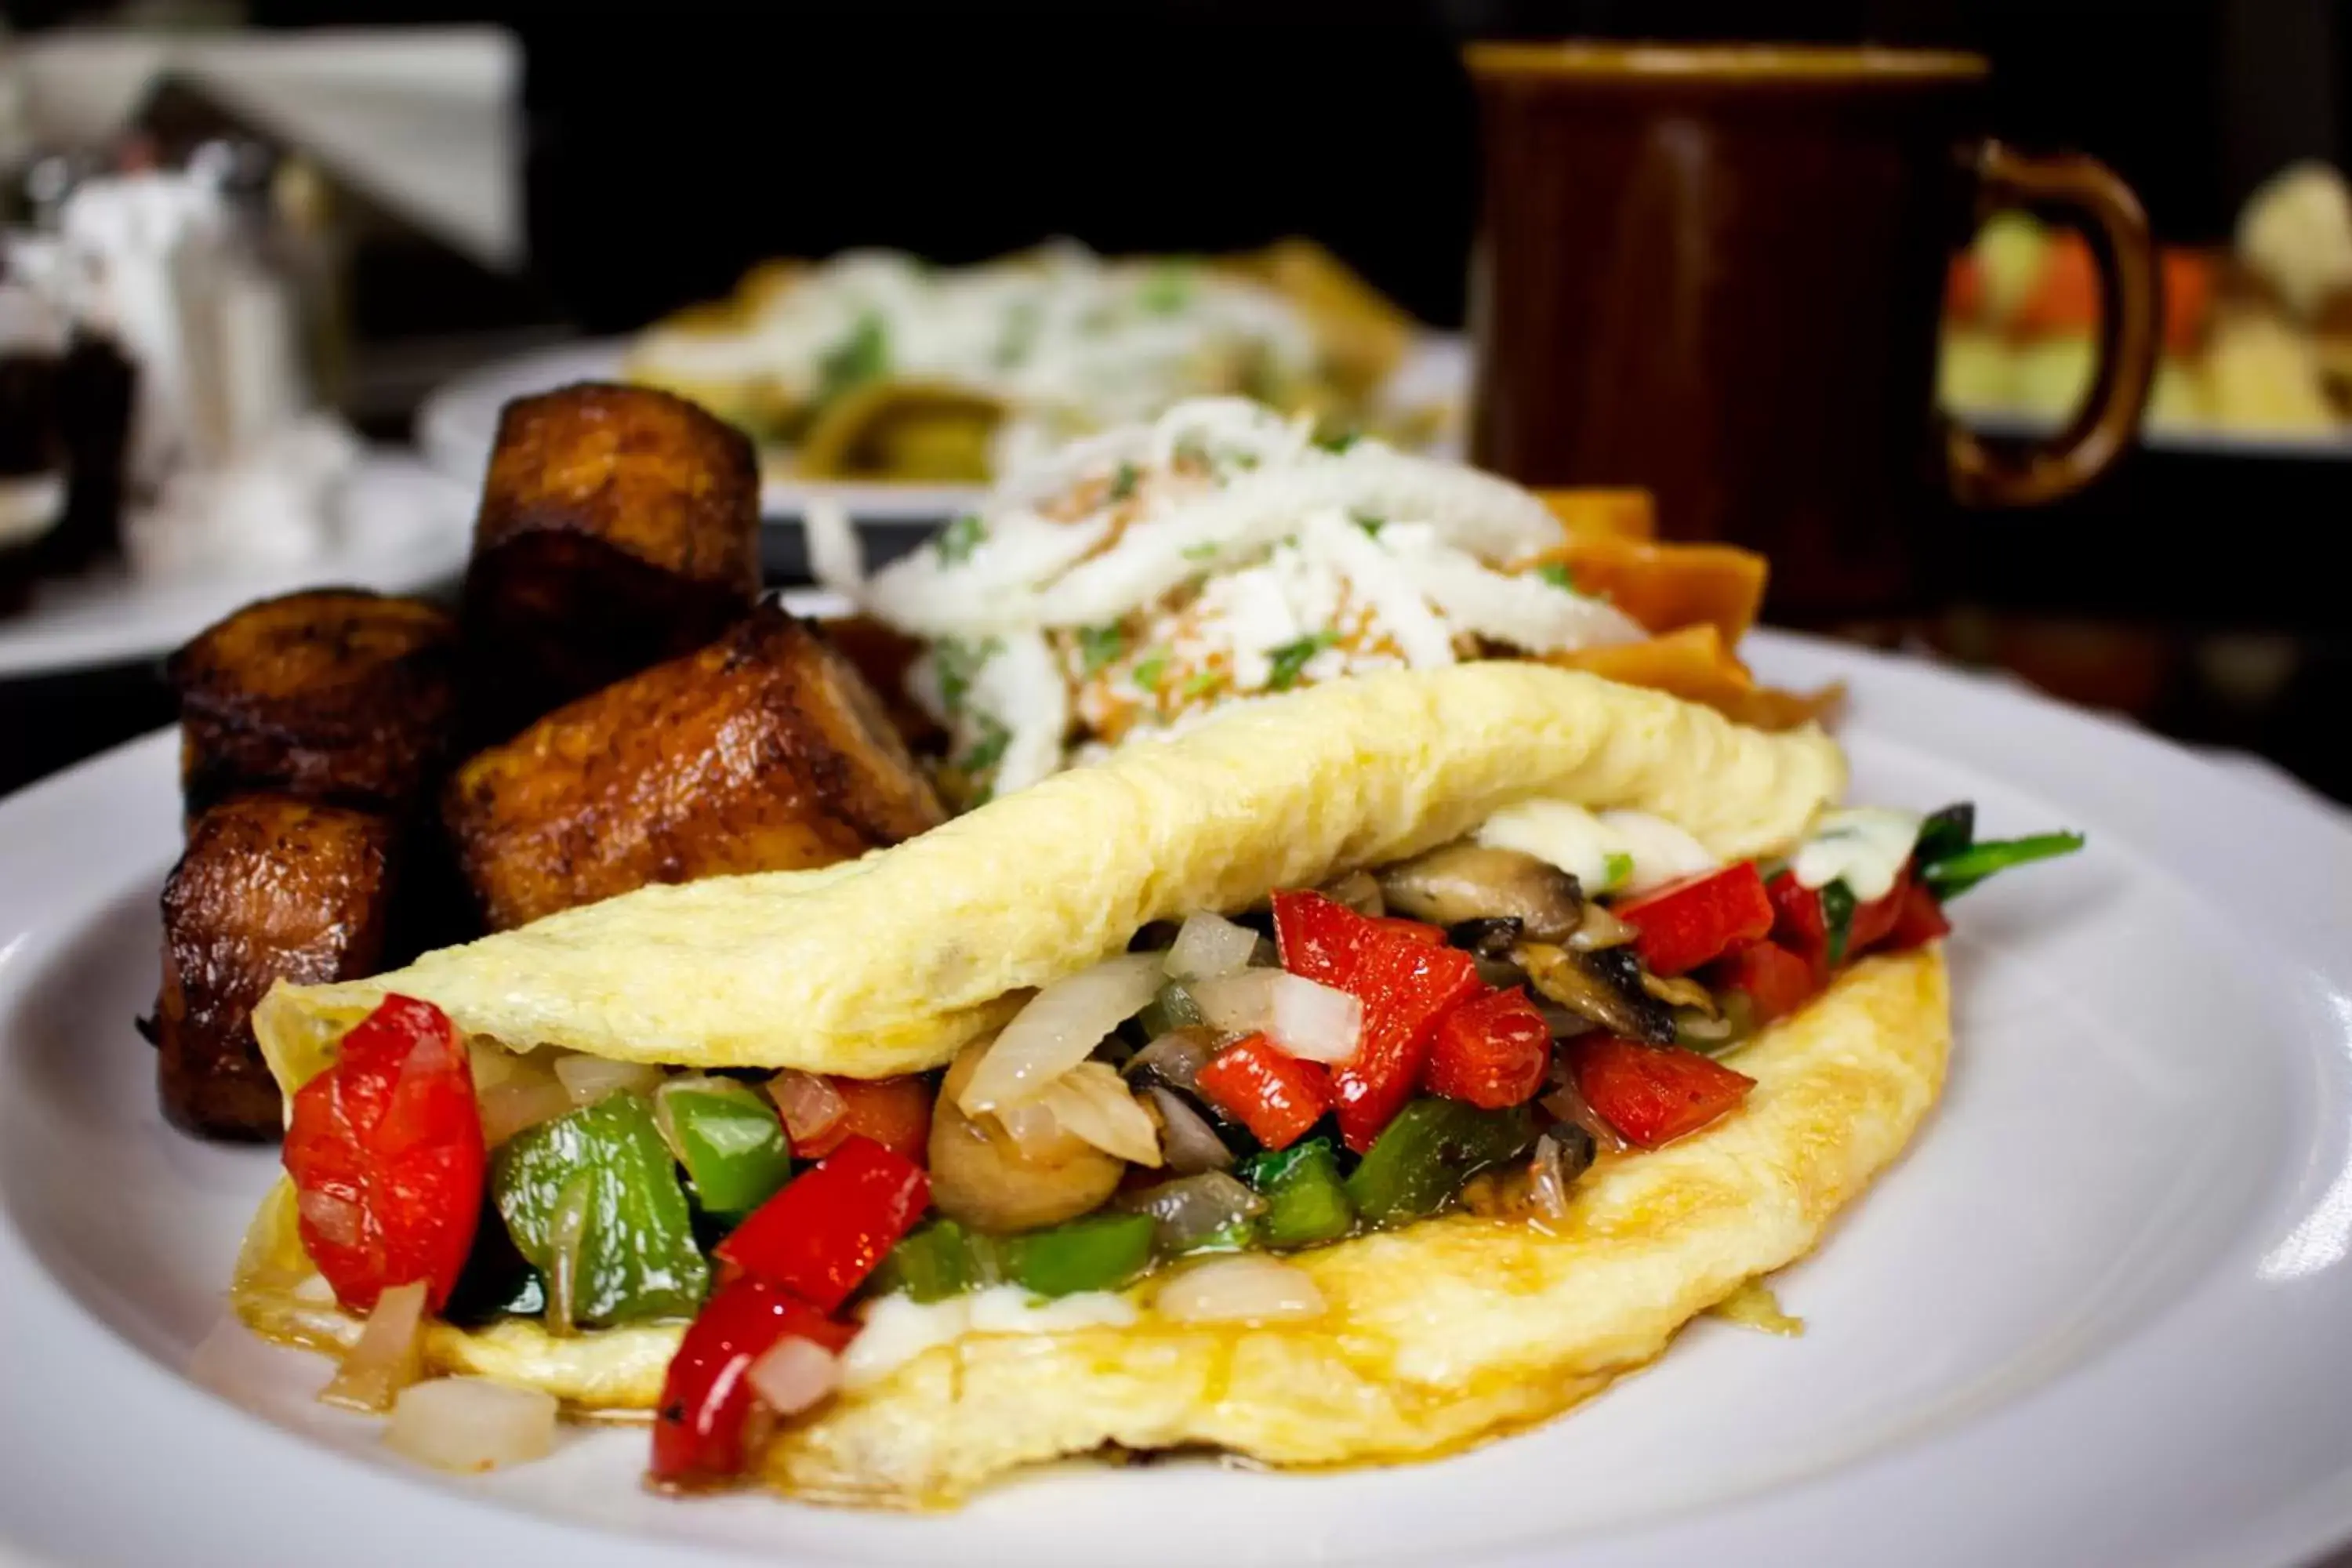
(1616, 870)
(1099, 645)
(1192, 452)
(1245, 461)
(1556, 573)
(858, 358)
(1290, 659)
(958, 663)
(1167, 290)
(1946, 833)
(1338, 440)
(1953, 875)
(1205, 551)
(959, 538)
(1123, 482)
(1204, 683)
(1149, 669)
(1837, 918)
(1371, 525)
(989, 749)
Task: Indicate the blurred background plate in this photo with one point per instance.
(456, 425)
(403, 529)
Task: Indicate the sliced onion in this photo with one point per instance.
(471, 1424)
(1061, 1025)
(808, 1103)
(1209, 945)
(1600, 928)
(1239, 1004)
(1318, 1023)
(1187, 1140)
(520, 1103)
(1547, 1181)
(563, 1233)
(590, 1078)
(1567, 1103)
(1094, 1103)
(1191, 1209)
(388, 1356)
(1243, 1289)
(1177, 1057)
(794, 1374)
(1038, 1133)
(492, 1064)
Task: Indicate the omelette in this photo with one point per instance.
(1361, 1074)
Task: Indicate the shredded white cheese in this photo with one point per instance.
(897, 1329)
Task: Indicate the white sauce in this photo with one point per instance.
(30, 506)
(1863, 846)
(1610, 852)
(898, 1330)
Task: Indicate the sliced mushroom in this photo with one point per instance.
(1604, 986)
(1359, 891)
(1470, 881)
(1680, 991)
(980, 1176)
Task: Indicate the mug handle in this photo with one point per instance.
(2130, 325)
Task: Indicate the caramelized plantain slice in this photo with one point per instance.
(336, 694)
(269, 888)
(619, 527)
(764, 751)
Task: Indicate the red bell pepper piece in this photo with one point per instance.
(1919, 921)
(706, 1402)
(1686, 923)
(894, 1113)
(1800, 925)
(386, 1153)
(1411, 931)
(1492, 1051)
(1652, 1094)
(1277, 1096)
(1405, 985)
(1776, 980)
(824, 1233)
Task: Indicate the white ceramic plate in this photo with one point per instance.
(459, 423)
(2100, 1313)
(405, 528)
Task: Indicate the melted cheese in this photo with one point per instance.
(1619, 851)
(1863, 847)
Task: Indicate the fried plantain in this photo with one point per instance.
(269, 888)
(619, 527)
(335, 694)
(764, 751)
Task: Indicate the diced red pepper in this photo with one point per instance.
(894, 1113)
(706, 1400)
(1411, 931)
(386, 1153)
(1652, 1094)
(1405, 985)
(824, 1233)
(1686, 923)
(1277, 1096)
(1492, 1051)
(1919, 921)
(1776, 980)
(1800, 925)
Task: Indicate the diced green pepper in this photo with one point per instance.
(1102, 1252)
(605, 1169)
(729, 1139)
(1238, 1236)
(496, 1282)
(1945, 833)
(1171, 1007)
(1305, 1200)
(1419, 1163)
(934, 1262)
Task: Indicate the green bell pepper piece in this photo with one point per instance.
(1419, 1163)
(1101, 1252)
(1305, 1199)
(934, 1262)
(730, 1141)
(1952, 875)
(496, 1282)
(1171, 1008)
(605, 1163)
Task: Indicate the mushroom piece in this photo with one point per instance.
(980, 1176)
(1471, 881)
(1603, 986)
(1358, 891)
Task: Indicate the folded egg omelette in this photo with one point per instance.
(1437, 1334)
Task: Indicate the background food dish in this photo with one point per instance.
(2162, 1245)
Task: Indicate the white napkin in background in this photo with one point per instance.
(420, 119)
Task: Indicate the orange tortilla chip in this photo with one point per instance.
(1698, 665)
(1604, 514)
(1668, 587)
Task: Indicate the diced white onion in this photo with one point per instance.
(1189, 1143)
(1244, 1289)
(1319, 1023)
(1208, 945)
(492, 1064)
(809, 1104)
(590, 1078)
(520, 1103)
(469, 1425)
(1093, 1102)
(1038, 1132)
(1239, 1004)
(793, 1373)
(1061, 1025)
(336, 1219)
(388, 1356)
(1567, 1103)
(1177, 1057)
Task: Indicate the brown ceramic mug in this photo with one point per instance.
(1717, 273)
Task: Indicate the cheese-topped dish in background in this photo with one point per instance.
(1138, 580)
(875, 364)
